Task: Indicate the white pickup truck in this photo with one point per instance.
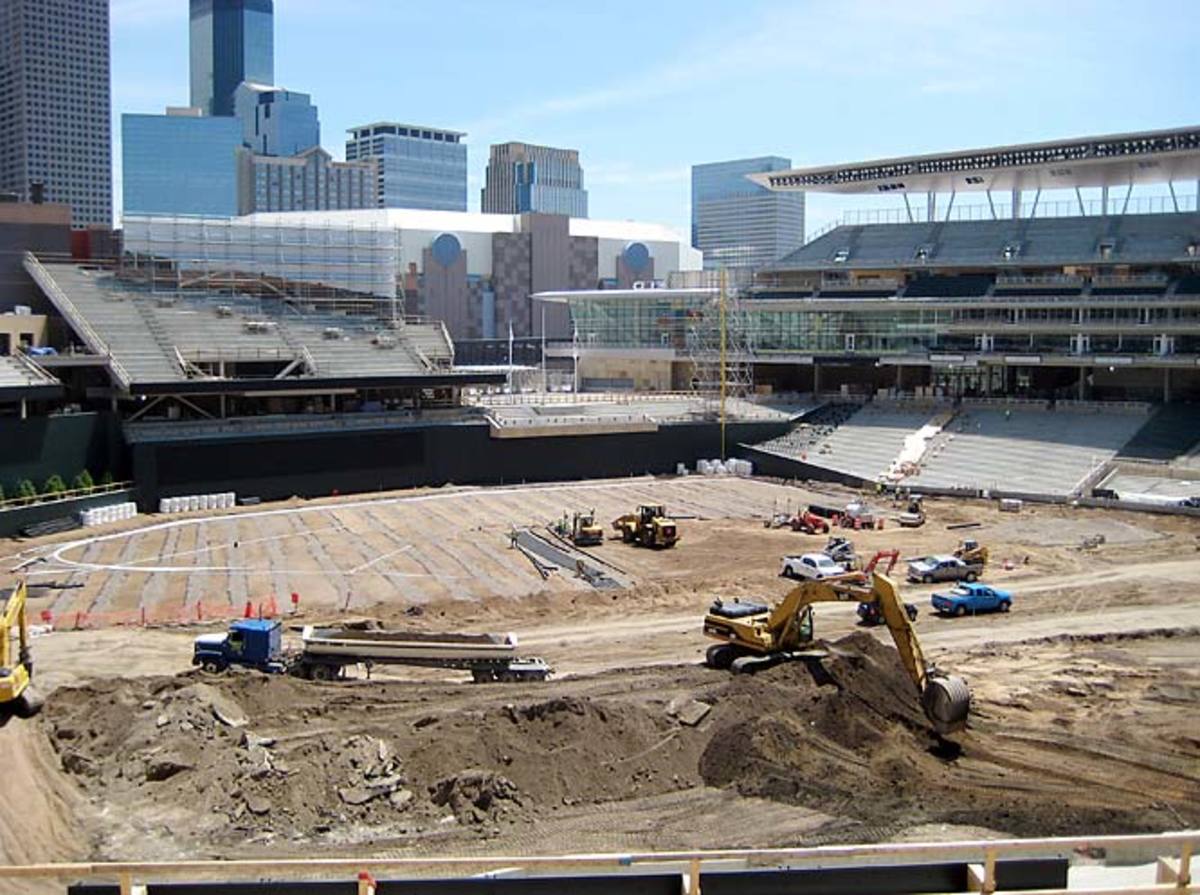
(810, 566)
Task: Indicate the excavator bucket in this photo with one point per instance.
(947, 703)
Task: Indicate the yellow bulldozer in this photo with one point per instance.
(754, 635)
(650, 526)
(16, 661)
(581, 529)
(972, 553)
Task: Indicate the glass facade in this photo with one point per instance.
(55, 126)
(180, 165)
(1020, 325)
(738, 224)
(521, 178)
(276, 121)
(230, 41)
(418, 167)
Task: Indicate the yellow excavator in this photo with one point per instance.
(16, 666)
(755, 635)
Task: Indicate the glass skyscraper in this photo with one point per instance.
(180, 164)
(418, 167)
(231, 41)
(738, 224)
(54, 104)
(523, 178)
(276, 121)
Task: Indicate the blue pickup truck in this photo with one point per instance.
(972, 598)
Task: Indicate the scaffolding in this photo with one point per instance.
(718, 346)
(340, 267)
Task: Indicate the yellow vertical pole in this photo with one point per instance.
(721, 305)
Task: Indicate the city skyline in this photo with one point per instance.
(713, 87)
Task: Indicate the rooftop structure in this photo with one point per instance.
(1105, 161)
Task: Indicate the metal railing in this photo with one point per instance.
(1172, 851)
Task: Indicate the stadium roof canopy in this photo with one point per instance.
(1117, 160)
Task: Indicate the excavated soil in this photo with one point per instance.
(231, 765)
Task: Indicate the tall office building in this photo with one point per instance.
(737, 223)
(180, 163)
(523, 178)
(418, 167)
(276, 121)
(231, 41)
(54, 105)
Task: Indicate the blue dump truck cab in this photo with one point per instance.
(251, 643)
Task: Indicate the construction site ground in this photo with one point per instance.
(1086, 696)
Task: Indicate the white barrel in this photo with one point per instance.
(206, 502)
(748, 465)
(700, 464)
(85, 518)
(164, 504)
(230, 499)
(193, 503)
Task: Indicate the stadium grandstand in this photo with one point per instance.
(1026, 344)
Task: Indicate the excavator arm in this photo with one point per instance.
(16, 665)
(945, 699)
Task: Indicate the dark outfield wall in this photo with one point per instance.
(38, 448)
(316, 465)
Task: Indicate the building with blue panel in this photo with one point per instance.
(181, 164)
(738, 224)
(230, 41)
(522, 178)
(276, 121)
(419, 167)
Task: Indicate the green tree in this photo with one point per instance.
(54, 485)
(25, 489)
(83, 481)
(107, 478)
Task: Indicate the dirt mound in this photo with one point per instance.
(253, 755)
(847, 737)
(247, 760)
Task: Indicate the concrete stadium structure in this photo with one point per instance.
(1082, 306)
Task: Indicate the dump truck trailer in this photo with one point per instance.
(489, 657)
(326, 651)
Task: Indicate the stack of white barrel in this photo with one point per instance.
(193, 503)
(726, 467)
(111, 513)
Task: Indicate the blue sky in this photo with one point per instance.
(646, 89)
